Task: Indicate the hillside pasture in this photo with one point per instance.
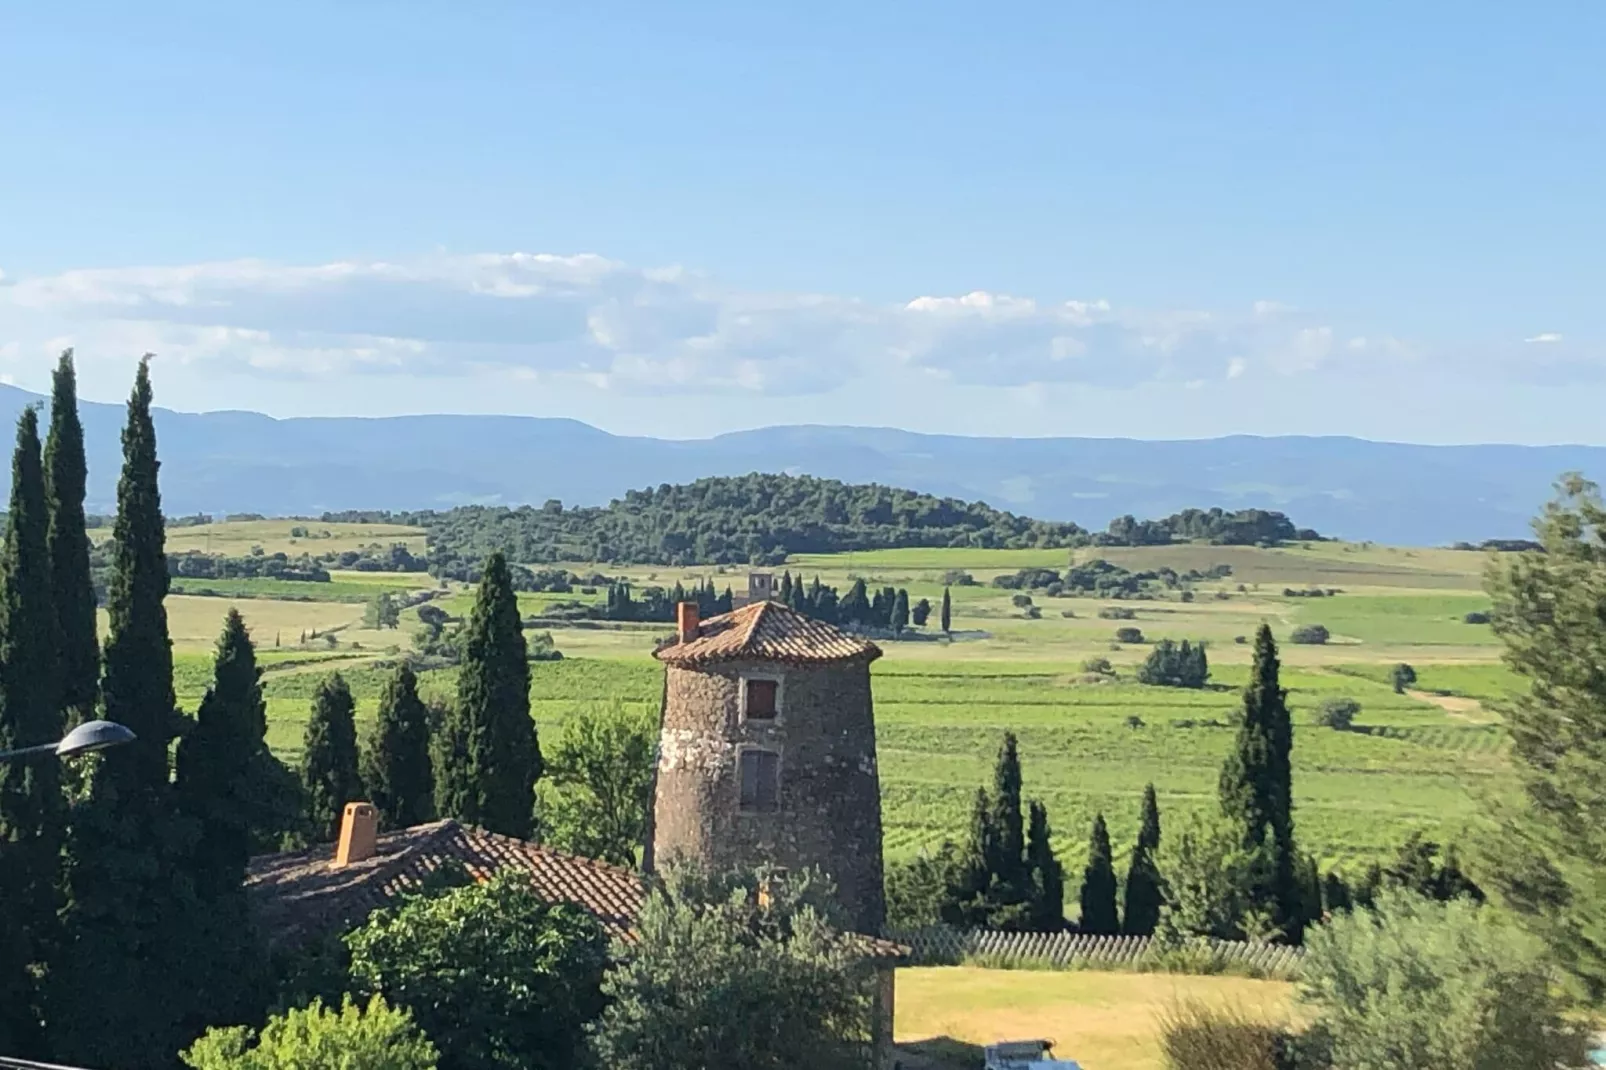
(237, 538)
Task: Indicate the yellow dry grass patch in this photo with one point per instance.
(194, 621)
(1105, 1021)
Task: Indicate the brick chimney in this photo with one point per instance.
(686, 621)
(359, 827)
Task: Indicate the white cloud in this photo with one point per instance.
(595, 322)
(1547, 336)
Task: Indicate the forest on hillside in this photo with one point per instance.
(759, 519)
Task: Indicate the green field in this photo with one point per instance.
(1414, 761)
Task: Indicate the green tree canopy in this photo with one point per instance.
(329, 774)
(370, 1036)
(725, 979)
(598, 784)
(1420, 985)
(1550, 850)
(396, 768)
(496, 976)
(1098, 884)
(72, 587)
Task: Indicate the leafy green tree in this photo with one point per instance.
(395, 763)
(499, 978)
(1098, 884)
(126, 989)
(32, 808)
(329, 771)
(382, 612)
(1205, 874)
(855, 605)
(1404, 676)
(1045, 873)
(1144, 896)
(357, 1037)
(1339, 713)
(488, 757)
(947, 616)
(723, 978)
(1256, 791)
(929, 889)
(920, 612)
(72, 589)
(1419, 985)
(1546, 859)
(598, 784)
(900, 611)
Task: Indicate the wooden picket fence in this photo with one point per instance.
(942, 946)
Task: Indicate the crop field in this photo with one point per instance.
(237, 538)
(1089, 744)
(336, 590)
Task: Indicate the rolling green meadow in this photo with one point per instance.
(1412, 762)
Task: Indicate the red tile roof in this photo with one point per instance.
(767, 631)
(302, 894)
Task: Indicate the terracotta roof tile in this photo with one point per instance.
(767, 631)
(302, 894)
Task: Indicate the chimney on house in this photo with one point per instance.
(686, 622)
(359, 828)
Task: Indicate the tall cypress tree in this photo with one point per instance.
(124, 986)
(488, 757)
(396, 770)
(216, 759)
(1256, 791)
(73, 591)
(1143, 895)
(1007, 860)
(32, 810)
(900, 611)
(1098, 884)
(947, 612)
(1047, 875)
(329, 757)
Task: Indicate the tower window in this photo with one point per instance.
(760, 703)
(761, 781)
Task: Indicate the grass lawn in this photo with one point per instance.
(1105, 1021)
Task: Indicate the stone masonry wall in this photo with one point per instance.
(829, 815)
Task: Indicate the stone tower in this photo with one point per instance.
(767, 751)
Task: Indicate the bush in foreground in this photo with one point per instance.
(1197, 1036)
(375, 1037)
(1420, 985)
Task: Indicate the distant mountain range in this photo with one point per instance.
(220, 462)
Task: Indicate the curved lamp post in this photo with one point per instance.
(87, 738)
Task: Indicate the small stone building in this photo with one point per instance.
(767, 751)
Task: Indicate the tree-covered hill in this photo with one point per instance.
(751, 519)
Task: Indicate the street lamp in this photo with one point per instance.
(85, 739)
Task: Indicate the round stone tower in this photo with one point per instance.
(767, 752)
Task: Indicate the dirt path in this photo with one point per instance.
(1455, 705)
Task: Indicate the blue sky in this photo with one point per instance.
(1158, 220)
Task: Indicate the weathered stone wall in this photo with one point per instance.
(829, 813)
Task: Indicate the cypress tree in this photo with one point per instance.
(1256, 791)
(72, 589)
(973, 873)
(1143, 895)
(947, 612)
(900, 611)
(396, 771)
(125, 985)
(488, 756)
(329, 757)
(32, 808)
(1047, 875)
(1098, 884)
(786, 587)
(1007, 858)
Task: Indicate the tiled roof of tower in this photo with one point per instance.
(300, 895)
(767, 631)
